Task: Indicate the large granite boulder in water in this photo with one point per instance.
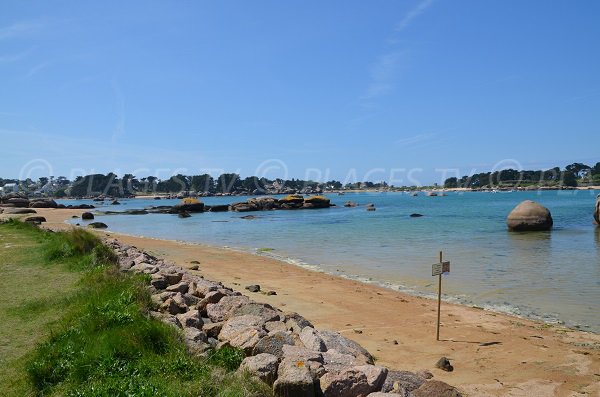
(597, 210)
(529, 216)
(188, 205)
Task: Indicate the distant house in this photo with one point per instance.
(9, 188)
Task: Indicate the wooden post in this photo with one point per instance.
(437, 337)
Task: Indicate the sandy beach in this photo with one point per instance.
(493, 354)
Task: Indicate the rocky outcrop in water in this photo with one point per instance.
(597, 211)
(283, 349)
(529, 216)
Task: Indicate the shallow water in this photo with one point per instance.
(554, 276)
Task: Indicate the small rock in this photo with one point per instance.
(444, 364)
(97, 225)
(435, 388)
(194, 267)
(273, 344)
(416, 215)
(271, 293)
(253, 288)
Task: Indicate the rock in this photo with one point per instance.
(97, 225)
(165, 318)
(348, 383)
(35, 219)
(312, 340)
(350, 204)
(435, 388)
(317, 202)
(219, 208)
(425, 374)
(375, 375)
(221, 311)
(195, 262)
(43, 203)
(371, 208)
(243, 207)
(529, 216)
(274, 326)
(273, 343)
(264, 203)
(597, 210)
(18, 202)
(190, 319)
(334, 340)
(204, 287)
(182, 287)
(158, 281)
(401, 382)
(380, 394)
(416, 215)
(334, 361)
(172, 278)
(174, 306)
(270, 293)
(294, 380)
(263, 310)
(194, 267)
(296, 322)
(188, 205)
(184, 214)
(253, 288)
(196, 341)
(444, 364)
(263, 365)
(19, 211)
(243, 332)
(86, 216)
(213, 329)
(115, 202)
(248, 217)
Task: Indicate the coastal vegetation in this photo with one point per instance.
(576, 174)
(74, 325)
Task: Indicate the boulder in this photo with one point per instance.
(529, 216)
(401, 382)
(597, 211)
(196, 341)
(294, 380)
(311, 339)
(43, 203)
(243, 332)
(220, 311)
(97, 225)
(190, 319)
(243, 207)
(435, 388)
(18, 202)
(348, 383)
(219, 208)
(317, 202)
(444, 364)
(35, 219)
(263, 366)
(19, 211)
(213, 329)
(263, 310)
(334, 340)
(375, 375)
(253, 288)
(264, 203)
(273, 343)
(86, 216)
(296, 322)
(188, 205)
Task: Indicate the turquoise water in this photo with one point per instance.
(554, 276)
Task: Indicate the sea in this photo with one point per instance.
(551, 276)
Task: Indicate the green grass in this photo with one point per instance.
(84, 329)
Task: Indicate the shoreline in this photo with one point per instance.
(494, 354)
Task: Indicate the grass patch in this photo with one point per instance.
(102, 343)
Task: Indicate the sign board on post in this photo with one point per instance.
(436, 270)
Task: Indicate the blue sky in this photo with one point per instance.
(338, 89)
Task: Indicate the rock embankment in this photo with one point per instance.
(283, 349)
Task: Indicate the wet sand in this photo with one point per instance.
(493, 354)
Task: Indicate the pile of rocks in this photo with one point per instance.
(17, 200)
(283, 349)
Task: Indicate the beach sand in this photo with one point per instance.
(493, 354)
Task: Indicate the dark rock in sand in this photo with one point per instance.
(529, 216)
(98, 225)
(253, 288)
(18, 202)
(86, 216)
(444, 364)
(35, 219)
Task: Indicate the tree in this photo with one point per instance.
(203, 183)
(569, 179)
(451, 183)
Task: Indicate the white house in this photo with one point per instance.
(9, 188)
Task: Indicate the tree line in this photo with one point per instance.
(572, 175)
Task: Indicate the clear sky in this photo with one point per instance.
(285, 88)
